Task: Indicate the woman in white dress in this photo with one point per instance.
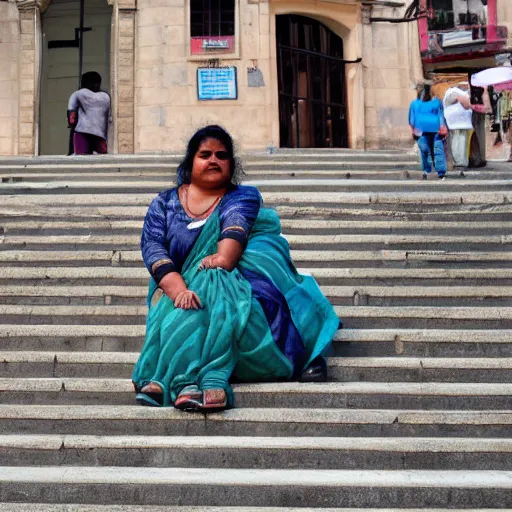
(458, 114)
(466, 124)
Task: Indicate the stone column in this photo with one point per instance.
(123, 83)
(9, 86)
(29, 74)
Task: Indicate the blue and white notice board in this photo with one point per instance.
(217, 83)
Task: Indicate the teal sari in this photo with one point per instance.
(230, 336)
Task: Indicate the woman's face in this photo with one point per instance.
(211, 165)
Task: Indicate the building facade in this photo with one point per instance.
(278, 73)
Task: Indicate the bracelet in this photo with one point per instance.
(159, 263)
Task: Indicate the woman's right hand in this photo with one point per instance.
(187, 299)
(175, 288)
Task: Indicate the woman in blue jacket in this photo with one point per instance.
(426, 118)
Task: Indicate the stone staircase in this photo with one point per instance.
(418, 415)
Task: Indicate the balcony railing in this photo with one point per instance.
(463, 40)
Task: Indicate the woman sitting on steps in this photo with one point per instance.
(225, 300)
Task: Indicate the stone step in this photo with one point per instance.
(93, 160)
(18, 185)
(418, 369)
(280, 169)
(424, 242)
(347, 342)
(305, 488)
(276, 154)
(416, 199)
(167, 173)
(149, 421)
(366, 259)
(254, 166)
(17, 227)
(15, 281)
(384, 453)
(398, 302)
(404, 168)
(354, 395)
(368, 160)
(131, 241)
(435, 213)
(422, 343)
(345, 369)
(432, 214)
(426, 317)
(44, 507)
(12, 174)
(30, 311)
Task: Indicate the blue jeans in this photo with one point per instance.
(432, 150)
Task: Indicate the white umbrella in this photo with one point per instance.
(500, 78)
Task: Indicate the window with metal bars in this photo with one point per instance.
(212, 18)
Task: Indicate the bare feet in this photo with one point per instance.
(190, 399)
(214, 399)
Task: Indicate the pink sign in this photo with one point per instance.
(212, 44)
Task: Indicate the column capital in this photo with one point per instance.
(366, 12)
(128, 5)
(28, 5)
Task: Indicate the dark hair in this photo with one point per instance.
(92, 81)
(426, 95)
(184, 172)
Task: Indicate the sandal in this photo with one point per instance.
(214, 400)
(150, 399)
(149, 396)
(315, 372)
(190, 399)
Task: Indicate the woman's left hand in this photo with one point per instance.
(215, 261)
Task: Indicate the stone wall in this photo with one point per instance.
(167, 108)
(392, 68)
(9, 47)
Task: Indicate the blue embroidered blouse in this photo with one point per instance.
(169, 233)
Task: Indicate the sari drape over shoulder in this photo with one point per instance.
(261, 322)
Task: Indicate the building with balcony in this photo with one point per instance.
(463, 34)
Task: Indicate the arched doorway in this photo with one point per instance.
(61, 62)
(311, 78)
